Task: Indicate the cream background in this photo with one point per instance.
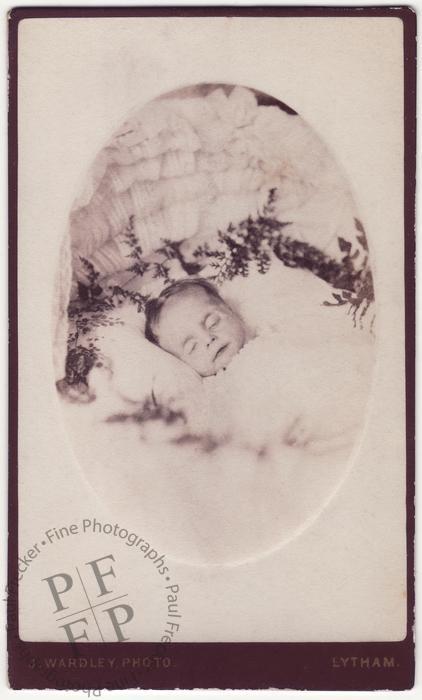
(344, 577)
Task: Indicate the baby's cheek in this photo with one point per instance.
(194, 363)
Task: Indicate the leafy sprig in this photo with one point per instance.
(254, 242)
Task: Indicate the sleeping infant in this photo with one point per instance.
(276, 386)
(191, 321)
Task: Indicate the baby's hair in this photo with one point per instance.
(154, 307)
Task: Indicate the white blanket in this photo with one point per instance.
(224, 500)
(276, 391)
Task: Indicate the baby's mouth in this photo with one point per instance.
(220, 351)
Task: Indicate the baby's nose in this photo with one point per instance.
(210, 340)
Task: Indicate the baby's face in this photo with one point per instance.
(200, 330)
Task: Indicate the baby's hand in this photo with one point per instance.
(298, 434)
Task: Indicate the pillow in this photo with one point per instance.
(139, 369)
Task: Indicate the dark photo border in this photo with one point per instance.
(222, 665)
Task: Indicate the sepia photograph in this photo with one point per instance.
(212, 359)
(215, 308)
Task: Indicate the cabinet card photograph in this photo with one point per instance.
(212, 348)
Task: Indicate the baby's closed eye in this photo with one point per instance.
(189, 346)
(211, 321)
